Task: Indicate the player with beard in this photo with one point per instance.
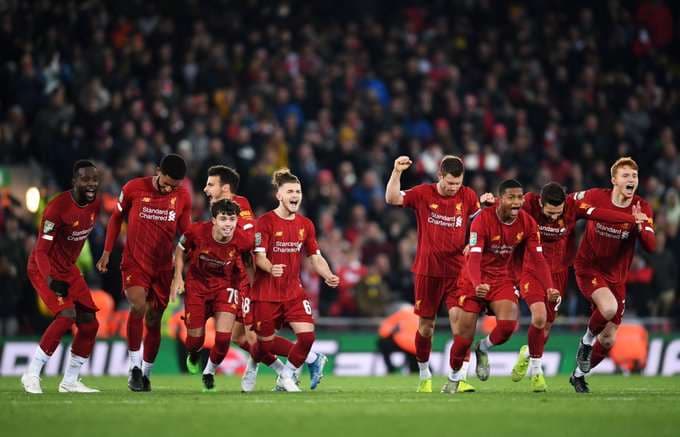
(67, 222)
(277, 295)
(222, 183)
(603, 261)
(156, 208)
(556, 214)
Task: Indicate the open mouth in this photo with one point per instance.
(294, 203)
(91, 193)
(515, 210)
(629, 188)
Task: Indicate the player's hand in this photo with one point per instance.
(332, 280)
(466, 250)
(640, 217)
(60, 288)
(277, 270)
(482, 290)
(553, 295)
(176, 288)
(402, 163)
(487, 199)
(103, 263)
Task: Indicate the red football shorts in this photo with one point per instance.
(157, 286)
(430, 291)
(270, 316)
(78, 296)
(501, 290)
(245, 311)
(590, 280)
(198, 307)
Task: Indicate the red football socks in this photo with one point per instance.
(423, 347)
(83, 342)
(536, 339)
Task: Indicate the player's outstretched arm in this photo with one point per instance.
(393, 190)
(324, 270)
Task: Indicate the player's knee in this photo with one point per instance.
(609, 311)
(426, 329)
(539, 320)
(607, 339)
(88, 327)
(152, 319)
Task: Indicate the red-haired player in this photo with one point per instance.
(603, 260)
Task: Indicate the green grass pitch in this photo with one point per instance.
(349, 407)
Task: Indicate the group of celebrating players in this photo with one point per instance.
(474, 254)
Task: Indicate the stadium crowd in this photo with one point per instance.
(531, 90)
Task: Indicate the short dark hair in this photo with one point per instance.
(227, 175)
(81, 163)
(174, 166)
(553, 194)
(507, 184)
(452, 165)
(224, 206)
(284, 176)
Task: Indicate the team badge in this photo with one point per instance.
(173, 201)
(496, 238)
(278, 234)
(48, 227)
(76, 223)
(146, 199)
(459, 207)
(301, 234)
(434, 206)
(519, 236)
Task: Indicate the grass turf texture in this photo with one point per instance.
(343, 406)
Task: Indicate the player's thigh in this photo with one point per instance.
(429, 293)
(195, 311)
(504, 309)
(604, 299)
(136, 295)
(238, 331)
(224, 321)
(539, 314)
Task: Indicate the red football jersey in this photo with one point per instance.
(283, 242)
(153, 219)
(246, 218)
(609, 248)
(64, 229)
(493, 243)
(213, 265)
(442, 228)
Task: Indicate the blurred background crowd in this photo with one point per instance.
(533, 90)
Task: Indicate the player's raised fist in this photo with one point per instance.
(103, 263)
(481, 290)
(277, 270)
(332, 281)
(402, 163)
(487, 199)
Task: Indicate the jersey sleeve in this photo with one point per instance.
(311, 245)
(471, 199)
(586, 210)
(412, 196)
(246, 217)
(477, 242)
(646, 230)
(116, 220)
(187, 242)
(534, 261)
(185, 215)
(262, 235)
(50, 225)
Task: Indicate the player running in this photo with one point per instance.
(67, 222)
(487, 281)
(603, 260)
(222, 183)
(277, 295)
(215, 279)
(443, 212)
(155, 208)
(556, 215)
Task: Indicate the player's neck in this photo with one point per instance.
(81, 202)
(217, 236)
(618, 199)
(284, 213)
